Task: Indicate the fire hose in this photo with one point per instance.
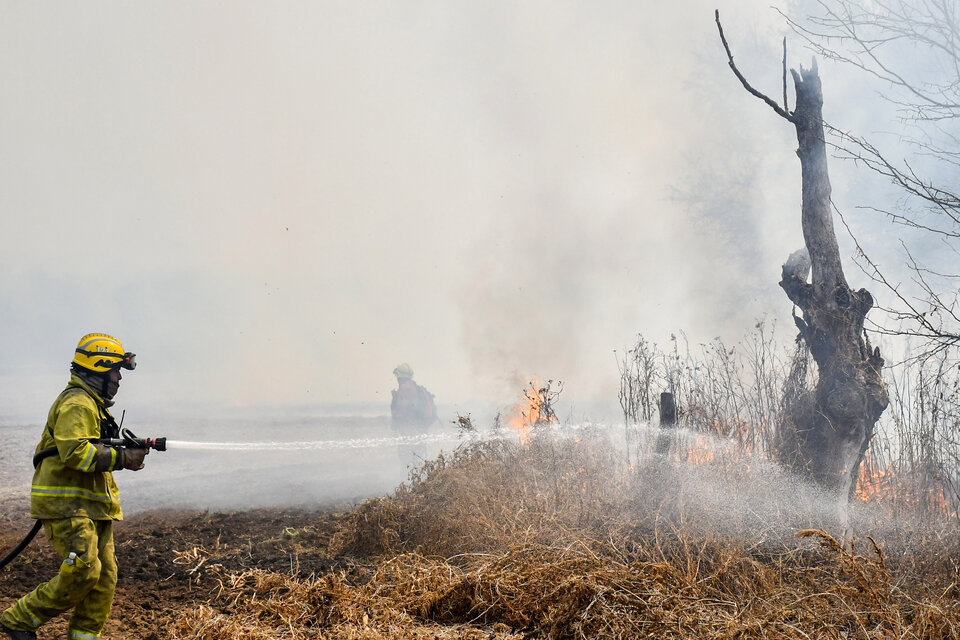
(127, 440)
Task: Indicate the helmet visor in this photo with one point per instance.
(129, 361)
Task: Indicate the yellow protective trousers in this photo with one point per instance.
(87, 578)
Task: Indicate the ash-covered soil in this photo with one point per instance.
(162, 572)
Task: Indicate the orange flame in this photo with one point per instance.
(745, 442)
(528, 412)
(876, 484)
(701, 451)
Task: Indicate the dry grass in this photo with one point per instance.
(489, 496)
(560, 539)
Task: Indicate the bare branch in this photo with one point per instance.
(866, 34)
(785, 107)
(746, 85)
(945, 203)
(922, 325)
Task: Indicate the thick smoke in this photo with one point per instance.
(275, 206)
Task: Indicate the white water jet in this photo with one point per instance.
(558, 431)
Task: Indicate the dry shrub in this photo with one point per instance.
(560, 540)
(490, 495)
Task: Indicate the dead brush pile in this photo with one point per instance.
(559, 539)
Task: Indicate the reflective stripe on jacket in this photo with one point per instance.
(66, 485)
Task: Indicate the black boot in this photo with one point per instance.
(13, 634)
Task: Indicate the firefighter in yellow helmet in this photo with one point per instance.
(76, 498)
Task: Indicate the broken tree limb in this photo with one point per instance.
(746, 85)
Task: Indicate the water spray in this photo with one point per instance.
(311, 445)
(559, 431)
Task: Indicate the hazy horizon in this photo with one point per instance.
(275, 204)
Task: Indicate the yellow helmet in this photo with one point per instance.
(100, 353)
(403, 370)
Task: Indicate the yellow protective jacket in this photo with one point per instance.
(67, 485)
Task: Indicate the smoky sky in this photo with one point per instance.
(276, 203)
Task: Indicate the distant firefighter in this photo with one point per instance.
(412, 409)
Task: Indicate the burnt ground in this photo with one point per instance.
(161, 555)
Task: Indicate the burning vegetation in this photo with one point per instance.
(737, 395)
(577, 532)
(561, 539)
(536, 409)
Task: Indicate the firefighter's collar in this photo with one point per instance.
(78, 382)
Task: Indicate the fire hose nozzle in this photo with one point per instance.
(128, 439)
(159, 444)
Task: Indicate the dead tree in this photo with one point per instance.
(913, 48)
(829, 427)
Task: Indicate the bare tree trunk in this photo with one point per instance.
(829, 427)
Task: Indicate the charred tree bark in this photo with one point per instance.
(828, 428)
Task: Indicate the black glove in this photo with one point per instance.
(131, 458)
